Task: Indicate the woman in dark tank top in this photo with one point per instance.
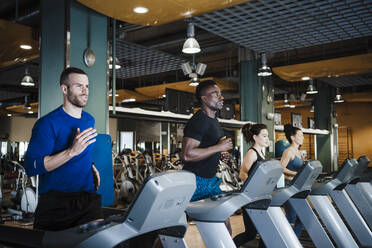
(292, 162)
(256, 135)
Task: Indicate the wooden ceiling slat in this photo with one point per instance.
(357, 64)
(157, 91)
(12, 36)
(159, 11)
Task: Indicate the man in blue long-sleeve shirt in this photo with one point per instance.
(60, 152)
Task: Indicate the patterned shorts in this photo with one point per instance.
(206, 187)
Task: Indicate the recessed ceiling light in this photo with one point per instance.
(25, 47)
(140, 10)
(188, 13)
(305, 78)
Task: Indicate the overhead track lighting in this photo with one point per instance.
(264, 70)
(311, 88)
(193, 71)
(191, 45)
(186, 68)
(27, 80)
(200, 68)
(338, 97)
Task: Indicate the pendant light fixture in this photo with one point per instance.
(264, 70)
(338, 97)
(117, 64)
(27, 80)
(311, 88)
(191, 45)
(286, 102)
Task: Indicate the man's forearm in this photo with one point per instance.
(56, 160)
(197, 154)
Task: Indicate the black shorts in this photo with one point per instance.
(59, 210)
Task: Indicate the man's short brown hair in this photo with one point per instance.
(66, 72)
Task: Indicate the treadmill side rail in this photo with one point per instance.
(361, 194)
(332, 221)
(311, 223)
(352, 217)
(221, 237)
(274, 228)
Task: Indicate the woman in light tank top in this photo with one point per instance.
(256, 135)
(292, 162)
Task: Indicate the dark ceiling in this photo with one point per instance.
(289, 31)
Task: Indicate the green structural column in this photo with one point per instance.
(326, 119)
(67, 30)
(256, 96)
(53, 52)
(250, 88)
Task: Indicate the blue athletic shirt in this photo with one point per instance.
(295, 164)
(52, 134)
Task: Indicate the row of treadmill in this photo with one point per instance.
(162, 204)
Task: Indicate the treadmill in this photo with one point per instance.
(159, 206)
(360, 191)
(209, 214)
(348, 209)
(326, 211)
(271, 223)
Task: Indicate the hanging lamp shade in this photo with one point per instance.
(264, 70)
(117, 63)
(338, 97)
(311, 88)
(27, 80)
(191, 46)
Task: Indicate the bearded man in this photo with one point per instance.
(60, 152)
(204, 140)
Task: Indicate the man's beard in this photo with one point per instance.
(74, 100)
(216, 106)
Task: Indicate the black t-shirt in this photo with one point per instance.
(208, 131)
